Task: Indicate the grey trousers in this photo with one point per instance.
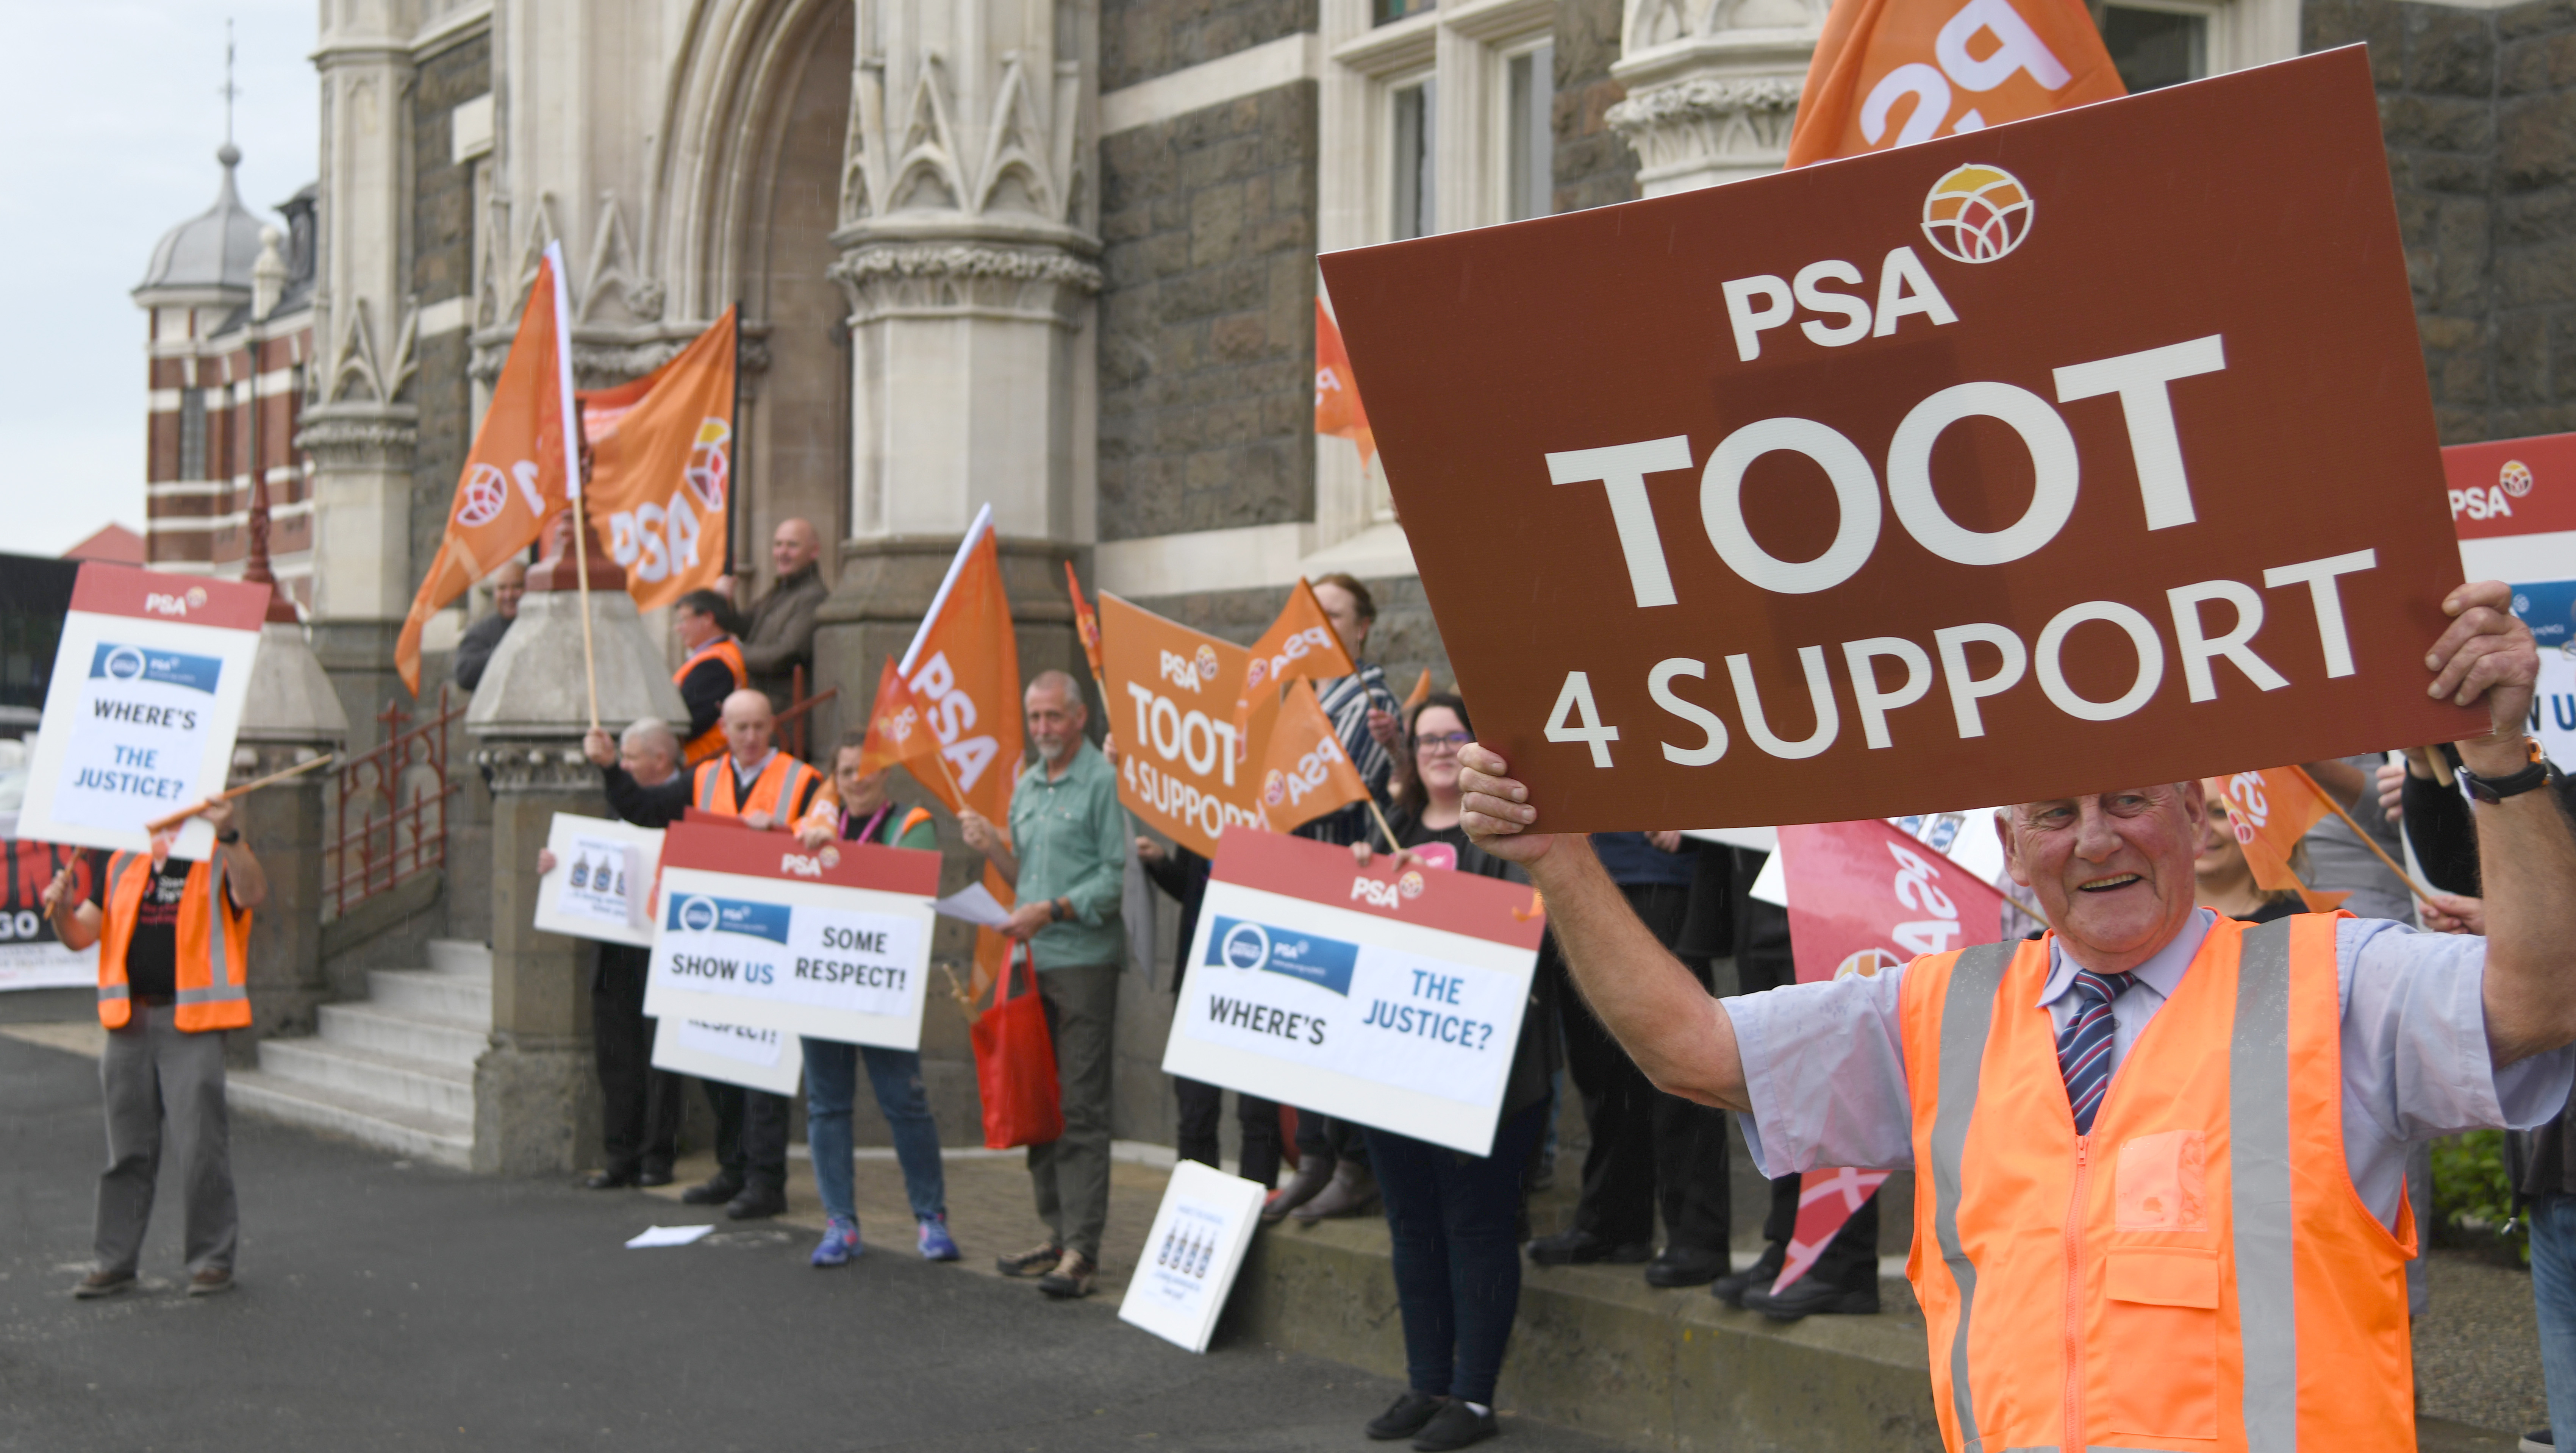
(158, 1081)
(1071, 1173)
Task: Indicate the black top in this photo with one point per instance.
(1184, 876)
(632, 801)
(2272, 909)
(474, 649)
(152, 955)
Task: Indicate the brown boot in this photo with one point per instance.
(1353, 1192)
(1313, 1174)
(1073, 1277)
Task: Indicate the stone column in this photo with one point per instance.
(1712, 89)
(293, 716)
(536, 1092)
(359, 426)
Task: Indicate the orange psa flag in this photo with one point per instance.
(2269, 812)
(1894, 72)
(1305, 772)
(1301, 642)
(661, 463)
(963, 672)
(1337, 396)
(1085, 623)
(513, 479)
(897, 735)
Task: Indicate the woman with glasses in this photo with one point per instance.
(1454, 1218)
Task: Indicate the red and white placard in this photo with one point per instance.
(147, 692)
(752, 929)
(1383, 997)
(2513, 505)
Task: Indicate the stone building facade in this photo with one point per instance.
(1058, 256)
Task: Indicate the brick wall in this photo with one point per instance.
(2479, 108)
(1142, 39)
(1207, 333)
(1594, 167)
(442, 267)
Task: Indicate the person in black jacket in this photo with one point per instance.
(1453, 1219)
(1183, 875)
(639, 1105)
(481, 639)
(2542, 1161)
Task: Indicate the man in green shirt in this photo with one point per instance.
(1066, 856)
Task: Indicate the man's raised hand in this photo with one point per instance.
(2487, 654)
(1495, 809)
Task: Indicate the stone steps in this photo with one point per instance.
(395, 1070)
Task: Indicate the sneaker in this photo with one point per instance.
(103, 1284)
(840, 1243)
(1038, 1260)
(936, 1243)
(1455, 1426)
(211, 1281)
(1071, 1278)
(1405, 1416)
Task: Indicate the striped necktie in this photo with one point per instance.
(2084, 1045)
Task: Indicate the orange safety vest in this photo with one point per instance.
(712, 741)
(784, 789)
(2197, 1273)
(213, 969)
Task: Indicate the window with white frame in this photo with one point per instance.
(1437, 115)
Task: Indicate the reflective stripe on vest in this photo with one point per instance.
(784, 784)
(1967, 1015)
(219, 987)
(2258, 1114)
(116, 993)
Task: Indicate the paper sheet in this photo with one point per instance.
(975, 904)
(667, 1236)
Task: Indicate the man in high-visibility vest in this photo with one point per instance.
(2195, 1237)
(173, 942)
(713, 671)
(766, 788)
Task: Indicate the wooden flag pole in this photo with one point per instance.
(1382, 827)
(163, 824)
(2381, 853)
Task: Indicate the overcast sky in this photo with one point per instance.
(112, 114)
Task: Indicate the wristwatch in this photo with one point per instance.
(2491, 790)
(229, 835)
(1055, 910)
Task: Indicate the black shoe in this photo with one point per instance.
(1455, 1426)
(610, 1180)
(1807, 1297)
(756, 1203)
(650, 1177)
(1582, 1248)
(1684, 1266)
(1765, 1270)
(1405, 1416)
(712, 1192)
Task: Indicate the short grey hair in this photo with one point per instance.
(651, 733)
(1060, 681)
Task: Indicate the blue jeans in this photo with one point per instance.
(831, 1085)
(2553, 1292)
(1450, 1219)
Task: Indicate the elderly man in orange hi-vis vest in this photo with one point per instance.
(2162, 1154)
(766, 788)
(713, 671)
(173, 942)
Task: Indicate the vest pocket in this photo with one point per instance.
(2158, 1368)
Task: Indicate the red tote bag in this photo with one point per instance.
(1015, 1065)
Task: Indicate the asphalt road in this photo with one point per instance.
(386, 1305)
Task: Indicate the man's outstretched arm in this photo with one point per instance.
(1668, 1024)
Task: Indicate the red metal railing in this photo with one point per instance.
(391, 819)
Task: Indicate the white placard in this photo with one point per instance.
(1397, 1025)
(602, 885)
(737, 1054)
(1966, 838)
(46, 964)
(839, 963)
(1192, 1254)
(140, 714)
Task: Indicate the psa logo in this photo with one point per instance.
(1295, 648)
(1206, 662)
(698, 913)
(809, 867)
(1387, 895)
(2492, 503)
(1977, 213)
(1867, 963)
(486, 493)
(1326, 963)
(176, 605)
(1178, 669)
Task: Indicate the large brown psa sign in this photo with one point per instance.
(2082, 452)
